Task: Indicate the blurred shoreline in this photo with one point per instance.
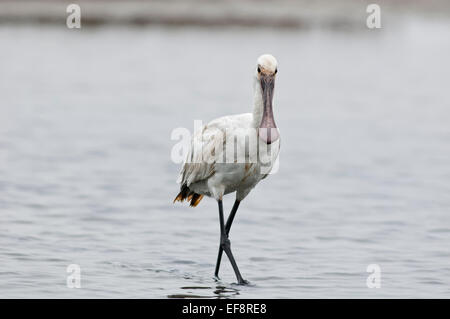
(295, 14)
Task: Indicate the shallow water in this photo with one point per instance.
(86, 176)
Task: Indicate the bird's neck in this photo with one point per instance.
(258, 107)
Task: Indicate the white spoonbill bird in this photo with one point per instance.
(204, 171)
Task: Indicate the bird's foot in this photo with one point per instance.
(243, 282)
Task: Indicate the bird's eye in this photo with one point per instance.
(259, 69)
(276, 70)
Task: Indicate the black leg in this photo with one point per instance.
(226, 246)
(227, 231)
(231, 217)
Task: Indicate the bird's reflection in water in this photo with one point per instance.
(225, 292)
(219, 292)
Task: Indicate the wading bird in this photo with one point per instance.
(204, 172)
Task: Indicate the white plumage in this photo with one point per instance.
(202, 171)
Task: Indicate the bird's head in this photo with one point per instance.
(266, 70)
(267, 65)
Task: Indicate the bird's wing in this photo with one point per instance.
(201, 158)
(207, 147)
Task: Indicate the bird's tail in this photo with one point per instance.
(186, 193)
